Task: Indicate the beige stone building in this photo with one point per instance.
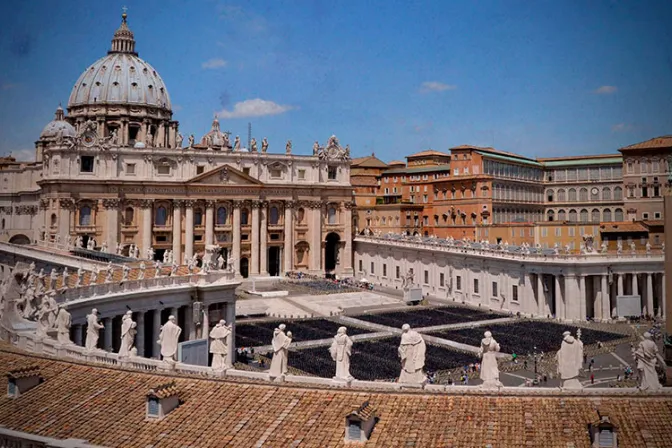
(116, 169)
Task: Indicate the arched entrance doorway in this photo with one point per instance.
(274, 261)
(19, 239)
(331, 251)
(244, 267)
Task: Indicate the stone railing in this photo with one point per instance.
(48, 347)
(596, 257)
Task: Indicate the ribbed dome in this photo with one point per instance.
(58, 125)
(121, 77)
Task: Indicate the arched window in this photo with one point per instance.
(584, 215)
(301, 215)
(222, 216)
(550, 215)
(161, 216)
(273, 216)
(128, 216)
(53, 220)
(595, 215)
(583, 195)
(606, 215)
(606, 194)
(549, 195)
(562, 195)
(618, 194)
(331, 215)
(572, 195)
(244, 215)
(618, 214)
(85, 216)
(562, 215)
(198, 217)
(572, 215)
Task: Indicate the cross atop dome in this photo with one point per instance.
(123, 41)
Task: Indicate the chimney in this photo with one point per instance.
(360, 423)
(603, 433)
(161, 400)
(22, 380)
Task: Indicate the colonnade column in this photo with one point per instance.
(147, 212)
(619, 280)
(663, 297)
(209, 222)
(189, 322)
(112, 220)
(177, 231)
(77, 329)
(315, 236)
(527, 301)
(289, 237)
(156, 330)
(606, 299)
(347, 255)
(66, 209)
(236, 236)
(140, 335)
(597, 297)
(107, 334)
(230, 320)
(649, 295)
(541, 297)
(581, 279)
(635, 285)
(188, 229)
(254, 259)
(263, 239)
(560, 306)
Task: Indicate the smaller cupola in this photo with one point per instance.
(162, 400)
(20, 381)
(359, 423)
(603, 433)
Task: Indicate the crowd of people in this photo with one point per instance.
(316, 285)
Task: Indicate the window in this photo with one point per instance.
(222, 216)
(246, 171)
(618, 214)
(475, 286)
(514, 293)
(373, 269)
(361, 268)
(426, 277)
(584, 215)
(130, 168)
(558, 231)
(645, 215)
(458, 283)
(494, 289)
(161, 216)
(657, 215)
(549, 195)
(606, 194)
(244, 217)
(583, 195)
(53, 220)
(571, 231)
(273, 216)
(384, 270)
(331, 173)
(86, 164)
(276, 173)
(331, 215)
(200, 169)
(128, 216)
(442, 279)
(595, 215)
(544, 232)
(85, 216)
(301, 215)
(572, 195)
(398, 272)
(163, 170)
(618, 193)
(562, 195)
(198, 217)
(562, 215)
(572, 215)
(606, 215)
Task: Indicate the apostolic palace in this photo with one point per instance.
(167, 290)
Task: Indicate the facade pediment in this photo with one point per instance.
(224, 175)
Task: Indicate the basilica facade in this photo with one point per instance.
(117, 169)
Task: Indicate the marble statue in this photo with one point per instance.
(556, 249)
(568, 249)
(646, 354)
(219, 346)
(340, 350)
(230, 265)
(605, 247)
(58, 240)
(80, 242)
(619, 247)
(168, 338)
(173, 269)
(264, 145)
(63, 321)
(633, 248)
(141, 273)
(179, 138)
(120, 247)
(114, 137)
(191, 140)
(488, 353)
(109, 275)
(90, 244)
(281, 342)
(64, 280)
(94, 275)
(92, 330)
(253, 145)
(44, 317)
(126, 270)
(53, 277)
(166, 254)
(68, 241)
(128, 332)
(648, 248)
(191, 263)
(408, 280)
(80, 277)
(103, 247)
(412, 355)
(288, 147)
(157, 268)
(150, 253)
(346, 154)
(316, 147)
(220, 261)
(570, 360)
(236, 144)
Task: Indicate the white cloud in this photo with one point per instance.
(605, 90)
(435, 86)
(214, 63)
(21, 155)
(621, 127)
(254, 108)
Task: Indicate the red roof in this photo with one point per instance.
(664, 141)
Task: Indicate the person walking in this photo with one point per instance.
(592, 378)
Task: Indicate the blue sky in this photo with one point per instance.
(542, 78)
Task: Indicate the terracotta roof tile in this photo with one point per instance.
(23, 372)
(664, 141)
(428, 152)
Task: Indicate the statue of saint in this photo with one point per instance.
(646, 354)
(253, 145)
(168, 338)
(141, 273)
(281, 342)
(570, 360)
(191, 140)
(220, 261)
(149, 140)
(316, 147)
(179, 138)
(412, 354)
(63, 321)
(128, 332)
(264, 145)
(288, 147)
(236, 144)
(150, 253)
(44, 318)
(340, 350)
(219, 346)
(92, 330)
(489, 369)
(114, 137)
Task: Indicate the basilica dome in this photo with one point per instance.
(120, 77)
(58, 126)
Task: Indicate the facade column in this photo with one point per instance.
(560, 305)
(177, 231)
(597, 297)
(620, 284)
(649, 295)
(209, 222)
(189, 323)
(236, 236)
(147, 215)
(263, 238)
(663, 297)
(289, 237)
(112, 223)
(254, 259)
(541, 296)
(606, 299)
(77, 329)
(581, 312)
(206, 321)
(66, 209)
(188, 229)
(107, 333)
(316, 237)
(346, 260)
(140, 336)
(528, 304)
(156, 330)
